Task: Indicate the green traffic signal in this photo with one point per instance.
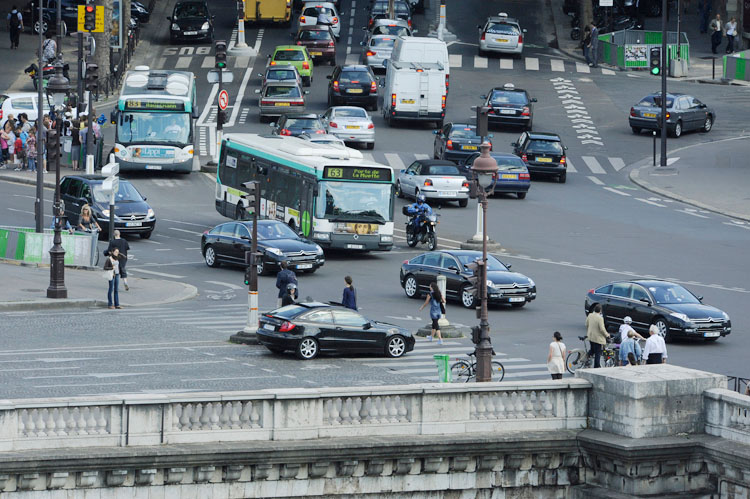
(655, 71)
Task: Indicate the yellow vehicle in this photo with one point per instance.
(277, 11)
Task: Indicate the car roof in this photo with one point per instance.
(315, 27)
(387, 21)
(336, 108)
(301, 115)
(502, 19)
(281, 83)
(503, 89)
(15, 95)
(354, 67)
(545, 136)
(282, 67)
(288, 47)
(306, 4)
(435, 162)
(464, 125)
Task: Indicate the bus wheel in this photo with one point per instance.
(239, 213)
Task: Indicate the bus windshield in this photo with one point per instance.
(154, 128)
(354, 202)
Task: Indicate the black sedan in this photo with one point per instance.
(512, 175)
(684, 113)
(312, 328)
(509, 105)
(672, 308)
(504, 286)
(543, 153)
(296, 124)
(191, 20)
(455, 141)
(277, 242)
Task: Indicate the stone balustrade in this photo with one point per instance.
(727, 415)
(292, 414)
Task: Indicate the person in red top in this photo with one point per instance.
(18, 151)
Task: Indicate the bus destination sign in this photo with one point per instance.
(357, 173)
(153, 105)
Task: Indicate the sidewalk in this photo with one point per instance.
(27, 177)
(25, 288)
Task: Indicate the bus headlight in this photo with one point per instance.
(323, 236)
(186, 153)
(386, 239)
(121, 151)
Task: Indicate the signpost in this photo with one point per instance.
(110, 186)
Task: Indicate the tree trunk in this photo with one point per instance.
(102, 55)
(587, 14)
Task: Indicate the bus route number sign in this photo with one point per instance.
(356, 173)
(153, 105)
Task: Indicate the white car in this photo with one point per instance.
(350, 124)
(314, 13)
(501, 34)
(438, 179)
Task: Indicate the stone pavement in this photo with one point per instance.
(24, 287)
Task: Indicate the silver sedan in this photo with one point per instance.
(378, 51)
(350, 124)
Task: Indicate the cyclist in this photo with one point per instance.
(626, 327)
(419, 210)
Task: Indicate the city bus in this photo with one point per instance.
(154, 121)
(331, 195)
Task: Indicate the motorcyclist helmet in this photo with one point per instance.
(421, 199)
(291, 286)
(627, 320)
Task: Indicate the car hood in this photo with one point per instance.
(125, 208)
(387, 325)
(696, 310)
(289, 245)
(499, 277)
(191, 22)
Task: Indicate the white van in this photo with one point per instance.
(414, 91)
(422, 49)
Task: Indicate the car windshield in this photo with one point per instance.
(354, 201)
(154, 128)
(308, 123)
(125, 193)
(464, 132)
(671, 293)
(391, 30)
(281, 74)
(443, 170)
(314, 34)
(510, 164)
(654, 101)
(545, 146)
(268, 232)
(354, 76)
(185, 10)
(382, 42)
(500, 97)
(493, 264)
(503, 29)
(289, 55)
(280, 91)
(351, 113)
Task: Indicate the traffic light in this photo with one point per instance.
(252, 189)
(89, 46)
(221, 117)
(654, 60)
(220, 54)
(52, 143)
(248, 272)
(92, 76)
(476, 333)
(89, 16)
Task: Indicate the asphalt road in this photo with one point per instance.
(568, 237)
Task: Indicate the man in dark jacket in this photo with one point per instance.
(123, 246)
(284, 277)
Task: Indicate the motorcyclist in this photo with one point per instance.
(419, 210)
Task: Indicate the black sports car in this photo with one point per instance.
(228, 242)
(296, 124)
(311, 328)
(543, 153)
(672, 308)
(504, 286)
(684, 112)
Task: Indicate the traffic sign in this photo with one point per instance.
(226, 76)
(223, 99)
(99, 18)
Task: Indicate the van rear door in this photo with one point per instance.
(434, 86)
(406, 87)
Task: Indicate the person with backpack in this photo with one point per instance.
(437, 307)
(15, 26)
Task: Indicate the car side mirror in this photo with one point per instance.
(700, 298)
(401, 170)
(514, 144)
(169, 18)
(305, 92)
(454, 269)
(367, 325)
(272, 124)
(646, 301)
(145, 198)
(483, 96)
(415, 31)
(490, 135)
(257, 90)
(329, 76)
(479, 27)
(524, 30)
(436, 132)
(565, 147)
(508, 266)
(260, 74)
(533, 99)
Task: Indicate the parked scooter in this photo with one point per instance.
(47, 71)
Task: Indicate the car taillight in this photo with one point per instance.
(273, 63)
(373, 88)
(482, 37)
(409, 22)
(286, 326)
(354, 81)
(299, 43)
(402, 263)
(331, 44)
(449, 144)
(370, 126)
(393, 100)
(524, 158)
(285, 131)
(333, 124)
(371, 22)
(520, 38)
(302, 19)
(525, 112)
(668, 115)
(1, 114)
(490, 146)
(562, 160)
(428, 182)
(632, 111)
(335, 85)
(305, 65)
(465, 184)
(370, 53)
(266, 103)
(591, 291)
(320, 131)
(447, 81)
(524, 176)
(299, 102)
(442, 102)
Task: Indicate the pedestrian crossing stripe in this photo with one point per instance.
(582, 68)
(480, 62)
(506, 63)
(557, 65)
(532, 64)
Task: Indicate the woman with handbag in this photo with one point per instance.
(112, 271)
(556, 356)
(437, 307)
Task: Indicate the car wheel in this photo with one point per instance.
(145, 235)
(518, 305)
(562, 177)
(399, 192)
(708, 124)
(262, 268)
(307, 348)
(210, 256)
(677, 133)
(370, 145)
(410, 287)
(395, 346)
(306, 81)
(481, 53)
(463, 203)
(636, 130)
(521, 195)
(276, 350)
(468, 299)
(45, 26)
(663, 327)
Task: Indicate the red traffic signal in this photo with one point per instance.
(89, 17)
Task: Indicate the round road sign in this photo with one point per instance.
(223, 100)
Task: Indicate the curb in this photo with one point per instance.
(50, 304)
(22, 263)
(23, 180)
(190, 293)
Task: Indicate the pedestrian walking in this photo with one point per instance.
(556, 356)
(630, 350)
(596, 333)
(594, 50)
(112, 268)
(290, 295)
(437, 307)
(122, 247)
(284, 277)
(5, 143)
(704, 12)
(15, 26)
(75, 148)
(586, 44)
(31, 149)
(731, 29)
(350, 294)
(716, 33)
(655, 351)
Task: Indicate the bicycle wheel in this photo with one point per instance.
(461, 372)
(609, 361)
(498, 371)
(575, 359)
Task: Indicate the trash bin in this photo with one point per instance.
(444, 371)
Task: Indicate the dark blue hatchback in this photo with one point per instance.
(512, 175)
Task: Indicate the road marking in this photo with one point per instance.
(422, 156)
(557, 64)
(22, 211)
(480, 62)
(593, 164)
(185, 230)
(595, 180)
(86, 384)
(532, 64)
(183, 62)
(227, 284)
(671, 161)
(160, 274)
(39, 369)
(606, 71)
(240, 96)
(179, 363)
(688, 211)
(351, 59)
(92, 375)
(226, 379)
(181, 222)
(394, 160)
(617, 163)
(506, 63)
(612, 189)
(582, 68)
(163, 249)
(208, 62)
(653, 203)
(455, 60)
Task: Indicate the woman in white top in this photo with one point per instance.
(556, 357)
(731, 29)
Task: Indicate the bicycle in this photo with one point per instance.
(581, 358)
(465, 370)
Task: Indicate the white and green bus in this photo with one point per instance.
(331, 195)
(154, 121)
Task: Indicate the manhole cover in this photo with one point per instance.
(33, 290)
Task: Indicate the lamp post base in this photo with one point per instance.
(472, 244)
(244, 338)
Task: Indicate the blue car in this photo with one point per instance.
(512, 175)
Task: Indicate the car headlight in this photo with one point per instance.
(680, 316)
(175, 27)
(319, 250)
(725, 315)
(150, 213)
(275, 251)
(323, 236)
(532, 283)
(105, 213)
(490, 284)
(205, 26)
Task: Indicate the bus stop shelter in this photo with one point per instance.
(630, 49)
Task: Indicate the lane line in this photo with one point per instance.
(570, 167)
(160, 274)
(455, 60)
(181, 222)
(593, 164)
(616, 191)
(240, 96)
(653, 203)
(394, 160)
(208, 62)
(187, 231)
(595, 180)
(227, 284)
(617, 163)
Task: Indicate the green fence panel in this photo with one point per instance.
(620, 57)
(652, 38)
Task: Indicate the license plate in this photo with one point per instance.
(446, 193)
(501, 40)
(268, 326)
(133, 224)
(188, 33)
(281, 104)
(352, 127)
(355, 246)
(469, 148)
(316, 53)
(516, 299)
(153, 167)
(304, 266)
(712, 334)
(507, 111)
(354, 90)
(544, 160)
(649, 115)
(509, 176)
(407, 101)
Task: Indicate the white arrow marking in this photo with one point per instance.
(592, 142)
(581, 120)
(407, 318)
(581, 126)
(571, 105)
(560, 79)
(671, 161)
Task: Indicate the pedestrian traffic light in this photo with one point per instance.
(220, 54)
(654, 60)
(248, 272)
(92, 76)
(221, 117)
(475, 279)
(89, 16)
(476, 334)
(251, 189)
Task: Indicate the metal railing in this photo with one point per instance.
(739, 385)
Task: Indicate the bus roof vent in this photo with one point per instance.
(178, 84)
(157, 80)
(136, 80)
(319, 150)
(141, 68)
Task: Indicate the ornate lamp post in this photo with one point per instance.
(57, 89)
(484, 168)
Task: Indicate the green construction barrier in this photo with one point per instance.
(736, 67)
(443, 364)
(24, 244)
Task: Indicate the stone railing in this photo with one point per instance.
(727, 415)
(292, 414)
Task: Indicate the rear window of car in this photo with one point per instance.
(417, 260)
(351, 113)
(654, 101)
(503, 29)
(391, 30)
(443, 170)
(315, 11)
(382, 8)
(290, 311)
(500, 97)
(467, 132)
(545, 146)
(354, 76)
(278, 91)
(281, 74)
(312, 123)
(604, 290)
(289, 55)
(508, 164)
(314, 34)
(382, 42)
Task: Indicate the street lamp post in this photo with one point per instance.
(484, 168)
(57, 88)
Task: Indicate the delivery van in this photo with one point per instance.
(277, 11)
(414, 91)
(422, 49)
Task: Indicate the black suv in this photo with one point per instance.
(354, 85)
(543, 153)
(132, 214)
(296, 124)
(191, 20)
(509, 106)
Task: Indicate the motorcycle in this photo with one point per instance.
(425, 232)
(48, 70)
